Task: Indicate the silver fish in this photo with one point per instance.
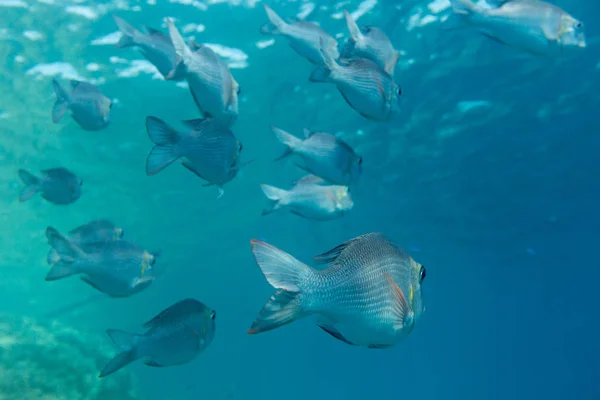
(534, 26)
(212, 85)
(89, 107)
(310, 198)
(174, 337)
(57, 185)
(323, 155)
(117, 268)
(155, 46)
(90, 236)
(370, 294)
(365, 86)
(209, 150)
(371, 43)
(304, 37)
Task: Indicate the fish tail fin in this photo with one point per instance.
(353, 29)
(276, 198)
(127, 343)
(323, 73)
(62, 101)
(164, 153)
(285, 273)
(181, 48)
(66, 252)
(290, 141)
(275, 26)
(129, 33)
(463, 6)
(31, 185)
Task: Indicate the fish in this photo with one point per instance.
(90, 236)
(174, 337)
(213, 87)
(89, 107)
(118, 268)
(310, 198)
(365, 86)
(57, 185)
(371, 43)
(155, 46)
(303, 36)
(323, 155)
(533, 26)
(209, 150)
(369, 295)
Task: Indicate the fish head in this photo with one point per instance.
(343, 200)
(417, 276)
(118, 233)
(570, 32)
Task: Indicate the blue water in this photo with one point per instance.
(499, 202)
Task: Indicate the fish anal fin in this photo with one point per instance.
(335, 333)
(89, 281)
(379, 346)
(152, 363)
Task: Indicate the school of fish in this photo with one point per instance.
(370, 293)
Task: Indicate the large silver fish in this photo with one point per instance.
(370, 294)
(89, 107)
(310, 198)
(209, 150)
(323, 155)
(212, 85)
(365, 86)
(174, 337)
(155, 46)
(57, 185)
(370, 42)
(117, 268)
(304, 37)
(535, 26)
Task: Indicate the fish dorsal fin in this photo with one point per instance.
(80, 86)
(332, 255)
(151, 31)
(75, 83)
(195, 124)
(310, 179)
(195, 46)
(176, 312)
(307, 133)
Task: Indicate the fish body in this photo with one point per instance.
(323, 155)
(370, 294)
(304, 37)
(117, 268)
(534, 26)
(213, 87)
(371, 43)
(57, 185)
(209, 150)
(90, 237)
(174, 337)
(310, 198)
(365, 86)
(89, 107)
(155, 46)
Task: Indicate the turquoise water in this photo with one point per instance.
(488, 177)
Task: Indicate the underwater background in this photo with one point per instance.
(489, 177)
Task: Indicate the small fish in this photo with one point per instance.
(310, 198)
(365, 86)
(370, 294)
(211, 83)
(118, 268)
(209, 150)
(89, 107)
(89, 237)
(534, 26)
(304, 37)
(155, 46)
(371, 43)
(174, 337)
(323, 155)
(57, 185)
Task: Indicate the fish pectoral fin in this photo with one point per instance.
(379, 346)
(403, 313)
(152, 363)
(335, 333)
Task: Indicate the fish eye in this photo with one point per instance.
(240, 147)
(399, 91)
(579, 25)
(360, 160)
(239, 90)
(213, 315)
(422, 273)
(152, 260)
